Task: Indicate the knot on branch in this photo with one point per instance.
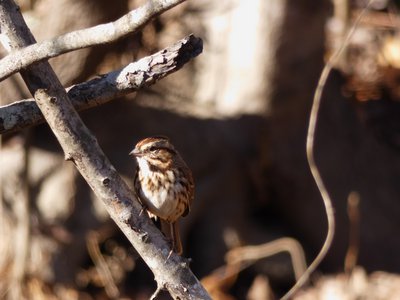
(105, 181)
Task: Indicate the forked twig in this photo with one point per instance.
(311, 160)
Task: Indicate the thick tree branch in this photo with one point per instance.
(81, 147)
(97, 35)
(144, 72)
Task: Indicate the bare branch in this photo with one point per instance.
(134, 76)
(81, 147)
(97, 35)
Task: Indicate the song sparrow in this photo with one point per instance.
(164, 184)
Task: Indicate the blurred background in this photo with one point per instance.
(238, 114)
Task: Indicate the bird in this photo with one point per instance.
(163, 184)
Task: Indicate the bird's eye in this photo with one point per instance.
(152, 149)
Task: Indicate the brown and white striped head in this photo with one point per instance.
(155, 153)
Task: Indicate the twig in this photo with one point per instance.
(156, 293)
(92, 244)
(144, 72)
(81, 147)
(223, 278)
(254, 253)
(240, 258)
(97, 35)
(353, 211)
(342, 13)
(330, 215)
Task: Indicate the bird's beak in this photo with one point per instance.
(135, 152)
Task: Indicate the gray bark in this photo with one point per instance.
(98, 91)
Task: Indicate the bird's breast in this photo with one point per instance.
(160, 192)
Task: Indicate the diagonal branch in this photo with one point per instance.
(142, 73)
(81, 147)
(97, 35)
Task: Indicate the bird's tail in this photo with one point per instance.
(171, 231)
